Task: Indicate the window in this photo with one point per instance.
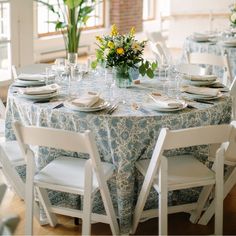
(149, 9)
(5, 58)
(44, 16)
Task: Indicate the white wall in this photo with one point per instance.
(21, 32)
(181, 27)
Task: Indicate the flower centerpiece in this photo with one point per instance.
(125, 54)
(71, 16)
(233, 16)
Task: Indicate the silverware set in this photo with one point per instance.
(112, 108)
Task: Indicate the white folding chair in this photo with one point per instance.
(160, 53)
(66, 174)
(10, 158)
(14, 72)
(214, 60)
(230, 177)
(182, 172)
(2, 119)
(232, 90)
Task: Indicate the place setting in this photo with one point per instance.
(36, 94)
(88, 102)
(200, 94)
(32, 80)
(204, 37)
(164, 103)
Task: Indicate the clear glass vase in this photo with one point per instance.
(123, 78)
(72, 57)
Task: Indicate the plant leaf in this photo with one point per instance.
(72, 3)
(150, 73)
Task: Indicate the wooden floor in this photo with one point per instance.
(178, 223)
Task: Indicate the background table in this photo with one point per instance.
(122, 138)
(209, 47)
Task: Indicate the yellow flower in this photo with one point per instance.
(132, 31)
(98, 38)
(111, 45)
(114, 30)
(120, 51)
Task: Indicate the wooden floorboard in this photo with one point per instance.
(178, 223)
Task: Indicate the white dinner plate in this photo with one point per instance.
(100, 105)
(201, 97)
(37, 96)
(229, 44)
(155, 107)
(24, 83)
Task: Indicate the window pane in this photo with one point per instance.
(45, 16)
(149, 9)
(5, 60)
(4, 21)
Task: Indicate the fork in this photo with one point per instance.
(112, 108)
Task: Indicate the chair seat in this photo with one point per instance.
(182, 171)
(12, 150)
(68, 173)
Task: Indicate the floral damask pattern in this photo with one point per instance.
(122, 138)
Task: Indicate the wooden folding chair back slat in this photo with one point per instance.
(186, 172)
(80, 176)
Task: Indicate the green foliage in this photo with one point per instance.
(71, 16)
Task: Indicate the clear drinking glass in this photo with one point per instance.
(49, 75)
(110, 82)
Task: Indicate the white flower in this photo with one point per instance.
(136, 47)
(233, 17)
(106, 52)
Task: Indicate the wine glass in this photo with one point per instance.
(109, 82)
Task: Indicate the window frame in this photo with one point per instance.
(153, 17)
(86, 28)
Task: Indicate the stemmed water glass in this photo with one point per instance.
(109, 82)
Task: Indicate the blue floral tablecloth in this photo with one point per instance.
(122, 138)
(211, 47)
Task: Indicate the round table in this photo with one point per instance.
(122, 137)
(211, 47)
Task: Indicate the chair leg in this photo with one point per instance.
(147, 184)
(110, 209)
(13, 178)
(204, 195)
(44, 200)
(29, 200)
(219, 192)
(228, 185)
(87, 206)
(163, 198)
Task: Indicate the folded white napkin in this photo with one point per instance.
(203, 77)
(40, 90)
(87, 100)
(201, 91)
(31, 77)
(165, 101)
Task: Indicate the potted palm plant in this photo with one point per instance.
(71, 15)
